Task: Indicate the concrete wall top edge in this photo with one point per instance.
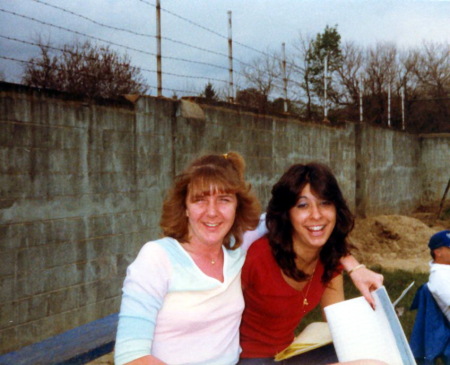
(121, 101)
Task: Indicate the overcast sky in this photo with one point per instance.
(257, 25)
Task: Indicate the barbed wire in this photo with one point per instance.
(27, 62)
(244, 69)
(141, 51)
(38, 64)
(146, 35)
(186, 20)
(114, 43)
(76, 32)
(140, 68)
(93, 20)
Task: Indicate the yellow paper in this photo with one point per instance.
(314, 335)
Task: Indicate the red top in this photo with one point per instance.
(273, 309)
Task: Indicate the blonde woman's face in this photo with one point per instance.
(210, 216)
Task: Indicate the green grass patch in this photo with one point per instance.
(395, 282)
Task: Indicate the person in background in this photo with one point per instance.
(430, 335)
(182, 299)
(439, 280)
(296, 266)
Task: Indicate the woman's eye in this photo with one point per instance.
(327, 202)
(302, 205)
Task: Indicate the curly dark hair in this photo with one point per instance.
(285, 194)
(223, 173)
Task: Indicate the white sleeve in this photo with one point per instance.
(439, 285)
(258, 232)
(144, 289)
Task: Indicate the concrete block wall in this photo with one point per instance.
(81, 188)
(269, 145)
(434, 166)
(389, 176)
(82, 183)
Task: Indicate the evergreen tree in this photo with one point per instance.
(209, 93)
(327, 45)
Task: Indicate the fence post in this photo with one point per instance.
(158, 47)
(230, 60)
(283, 47)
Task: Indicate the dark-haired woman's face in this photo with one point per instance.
(313, 219)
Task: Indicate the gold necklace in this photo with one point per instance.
(213, 261)
(203, 257)
(305, 297)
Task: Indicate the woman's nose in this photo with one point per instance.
(315, 211)
(212, 209)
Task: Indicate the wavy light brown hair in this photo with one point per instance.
(211, 173)
(285, 194)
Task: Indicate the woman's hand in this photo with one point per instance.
(364, 279)
(362, 362)
(146, 360)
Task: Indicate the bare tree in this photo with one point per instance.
(381, 68)
(407, 65)
(301, 77)
(408, 82)
(351, 71)
(83, 68)
(432, 71)
(264, 73)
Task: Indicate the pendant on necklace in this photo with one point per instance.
(305, 302)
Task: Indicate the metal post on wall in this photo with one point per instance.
(389, 103)
(361, 92)
(325, 84)
(403, 108)
(158, 47)
(283, 48)
(230, 59)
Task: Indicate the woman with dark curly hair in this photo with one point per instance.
(296, 265)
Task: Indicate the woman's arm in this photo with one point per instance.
(144, 290)
(364, 279)
(334, 293)
(258, 232)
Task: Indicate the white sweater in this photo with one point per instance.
(439, 285)
(172, 310)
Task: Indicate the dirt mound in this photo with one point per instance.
(393, 242)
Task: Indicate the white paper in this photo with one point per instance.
(359, 332)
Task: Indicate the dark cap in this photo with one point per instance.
(440, 239)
